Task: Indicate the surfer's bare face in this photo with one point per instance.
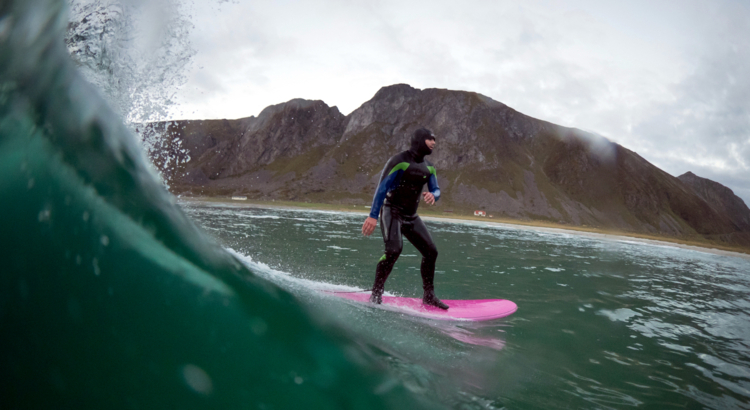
(430, 143)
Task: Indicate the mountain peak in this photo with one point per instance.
(395, 90)
(688, 174)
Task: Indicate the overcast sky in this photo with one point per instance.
(667, 79)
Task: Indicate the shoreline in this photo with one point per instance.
(538, 226)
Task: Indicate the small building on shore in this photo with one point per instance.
(239, 198)
(480, 213)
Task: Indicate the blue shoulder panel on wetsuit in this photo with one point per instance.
(389, 183)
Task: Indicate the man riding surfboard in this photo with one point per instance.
(396, 200)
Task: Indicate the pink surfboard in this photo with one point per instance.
(476, 310)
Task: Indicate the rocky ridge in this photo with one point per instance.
(720, 198)
(488, 157)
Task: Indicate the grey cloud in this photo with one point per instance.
(704, 127)
(573, 65)
(233, 47)
(707, 127)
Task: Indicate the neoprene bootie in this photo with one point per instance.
(382, 272)
(376, 297)
(430, 299)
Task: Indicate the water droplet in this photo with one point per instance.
(85, 216)
(44, 215)
(95, 263)
(258, 326)
(197, 379)
(105, 240)
(31, 183)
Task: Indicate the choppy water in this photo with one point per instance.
(600, 324)
(111, 297)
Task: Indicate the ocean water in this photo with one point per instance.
(600, 323)
(114, 295)
(110, 296)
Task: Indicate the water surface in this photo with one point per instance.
(601, 323)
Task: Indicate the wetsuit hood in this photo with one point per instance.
(418, 146)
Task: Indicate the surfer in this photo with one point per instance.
(396, 201)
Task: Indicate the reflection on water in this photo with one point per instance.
(600, 324)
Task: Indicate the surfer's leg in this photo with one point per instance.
(390, 226)
(416, 232)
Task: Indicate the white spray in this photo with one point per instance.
(137, 53)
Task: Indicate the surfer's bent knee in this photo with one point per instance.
(433, 256)
(432, 251)
(392, 254)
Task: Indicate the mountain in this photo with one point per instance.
(488, 157)
(720, 198)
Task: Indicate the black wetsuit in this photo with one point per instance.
(398, 193)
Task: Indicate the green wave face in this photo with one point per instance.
(109, 296)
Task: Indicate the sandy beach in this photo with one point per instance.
(525, 225)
